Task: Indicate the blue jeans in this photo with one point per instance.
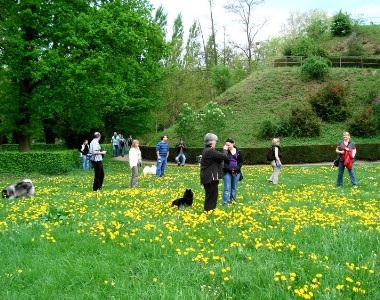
(229, 187)
(161, 164)
(115, 149)
(122, 151)
(85, 161)
(179, 156)
(350, 172)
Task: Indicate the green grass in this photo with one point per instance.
(304, 235)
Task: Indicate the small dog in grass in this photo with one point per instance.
(187, 199)
(21, 189)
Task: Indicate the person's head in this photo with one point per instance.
(121, 135)
(135, 143)
(276, 141)
(210, 139)
(181, 141)
(97, 135)
(164, 138)
(85, 142)
(230, 143)
(115, 133)
(346, 136)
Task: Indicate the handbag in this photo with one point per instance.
(336, 162)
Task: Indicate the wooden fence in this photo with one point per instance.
(335, 61)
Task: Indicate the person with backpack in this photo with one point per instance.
(274, 156)
(347, 151)
(122, 145)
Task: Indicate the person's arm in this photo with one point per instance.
(276, 156)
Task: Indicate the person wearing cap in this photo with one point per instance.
(232, 172)
(211, 170)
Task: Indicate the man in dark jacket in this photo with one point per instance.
(181, 150)
(211, 170)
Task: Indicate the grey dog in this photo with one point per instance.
(21, 189)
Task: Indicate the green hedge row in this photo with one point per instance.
(56, 162)
(35, 147)
(291, 154)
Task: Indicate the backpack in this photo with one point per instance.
(270, 154)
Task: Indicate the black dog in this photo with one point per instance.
(187, 199)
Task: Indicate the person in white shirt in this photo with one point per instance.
(97, 162)
(135, 162)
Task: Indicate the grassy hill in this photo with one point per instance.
(270, 94)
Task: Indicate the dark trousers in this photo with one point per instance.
(99, 175)
(211, 198)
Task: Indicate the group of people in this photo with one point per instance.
(119, 143)
(214, 165)
(226, 165)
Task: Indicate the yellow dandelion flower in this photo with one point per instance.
(349, 279)
(226, 278)
(212, 273)
(155, 279)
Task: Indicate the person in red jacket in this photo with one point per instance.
(347, 151)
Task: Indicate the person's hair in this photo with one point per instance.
(97, 134)
(229, 140)
(162, 137)
(209, 138)
(346, 133)
(134, 142)
(85, 141)
(275, 141)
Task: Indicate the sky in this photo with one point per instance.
(276, 12)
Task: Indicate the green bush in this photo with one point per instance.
(315, 68)
(49, 163)
(268, 130)
(35, 147)
(301, 123)
(221, 78)
(329, 103)
(341, 24)
(363, 124)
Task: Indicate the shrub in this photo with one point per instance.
(301, 123)
(341, 24)
(315, 68)
(363, 123)
(307, 47)
(221, 78)
(268, 130)
(317, 28)
(329, 103)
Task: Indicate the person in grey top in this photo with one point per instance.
(211, 170)
(97, 161)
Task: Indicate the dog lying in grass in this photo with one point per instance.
(186, 200)
(20, 189)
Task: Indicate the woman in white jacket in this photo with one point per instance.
(135, 162)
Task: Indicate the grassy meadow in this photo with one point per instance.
(302, 239)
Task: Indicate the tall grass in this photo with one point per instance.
(304, 238)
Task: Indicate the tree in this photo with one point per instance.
(73, 64)
(244, 10)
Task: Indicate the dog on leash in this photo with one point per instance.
(20, 189)
(187, 199)
(150, 170)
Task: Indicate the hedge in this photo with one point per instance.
(35, 147)
(290, 154)
(56, 162)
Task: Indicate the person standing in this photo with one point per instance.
(122, 145)
(129, 142)
(232, 172)
(97, 161)
(115, 144)
(83, 153)
(347, 152)
(275, 161)
(181, 150)
(162, 151)
(135, 162)
(211, 170)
